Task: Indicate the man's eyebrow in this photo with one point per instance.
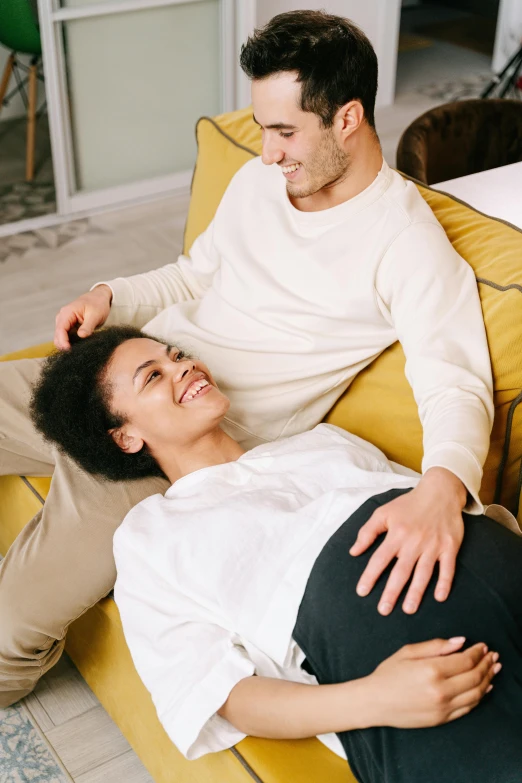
(276, 125)
(168, 349)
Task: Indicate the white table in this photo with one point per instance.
(497, 192)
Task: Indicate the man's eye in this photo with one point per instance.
(286, 135)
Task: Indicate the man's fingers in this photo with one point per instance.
(399, 576)
(419, 583)
(368, 533)
(90, 322)
(65, 320)
(447, 564)
(380, 560)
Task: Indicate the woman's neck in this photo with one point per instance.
(213, 448)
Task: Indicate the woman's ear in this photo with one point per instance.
(128, 443)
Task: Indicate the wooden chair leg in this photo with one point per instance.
(31, 121)
(4, 84)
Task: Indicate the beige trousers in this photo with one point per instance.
(61, 563)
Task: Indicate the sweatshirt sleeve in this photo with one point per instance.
(429, 294)
(188, 665)
(136, 300)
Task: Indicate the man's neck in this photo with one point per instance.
(365, 163)
(213, 448)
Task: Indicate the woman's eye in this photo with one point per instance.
(180, 356)
(153, 375)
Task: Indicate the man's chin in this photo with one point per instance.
(299, 191)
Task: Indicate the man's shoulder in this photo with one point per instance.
(404, 197)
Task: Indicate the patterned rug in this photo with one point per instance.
(457, 89)
(25, 200)
(24, 755)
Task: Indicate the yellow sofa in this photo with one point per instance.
(379, 406)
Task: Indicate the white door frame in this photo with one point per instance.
(237, 22)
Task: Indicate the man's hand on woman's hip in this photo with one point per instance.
(423, 528)
(89, 311)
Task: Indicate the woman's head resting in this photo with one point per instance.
(120, 403)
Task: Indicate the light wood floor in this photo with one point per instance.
(84, 740)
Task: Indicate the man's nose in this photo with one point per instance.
(271, 152)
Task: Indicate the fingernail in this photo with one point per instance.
(385, 608)
(457, 640)
(496, 668)
(362, 590)
(410, 607)
(485, 649)
(489, 689)
(495, 657)
(441, 595)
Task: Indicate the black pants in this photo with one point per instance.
(344, 638)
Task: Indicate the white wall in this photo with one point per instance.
(379, 19)
(509, 32)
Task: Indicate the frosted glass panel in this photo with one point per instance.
(138, 82)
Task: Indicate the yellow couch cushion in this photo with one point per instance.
(379, 405)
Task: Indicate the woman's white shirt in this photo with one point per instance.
(211, 575)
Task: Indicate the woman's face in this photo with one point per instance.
(166, 398)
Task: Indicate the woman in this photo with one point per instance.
(243, 569)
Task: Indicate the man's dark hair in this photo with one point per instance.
(334, 60)
(70, 406)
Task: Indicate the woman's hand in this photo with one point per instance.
(430, 683)
(90, 310)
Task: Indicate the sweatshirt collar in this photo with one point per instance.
(342, 212)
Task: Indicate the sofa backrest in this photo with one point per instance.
(379, 405)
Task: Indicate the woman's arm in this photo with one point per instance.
(421, 685)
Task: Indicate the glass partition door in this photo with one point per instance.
(127, 81)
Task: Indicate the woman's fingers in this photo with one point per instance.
(470, 687)
(452, 665)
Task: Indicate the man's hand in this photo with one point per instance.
(422, 528)
(89, 310)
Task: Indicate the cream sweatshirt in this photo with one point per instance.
(286, 307)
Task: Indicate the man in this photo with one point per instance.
(312, 266)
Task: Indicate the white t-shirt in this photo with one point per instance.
(210, 576)
(286, 307)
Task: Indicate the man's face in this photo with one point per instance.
(308, 154)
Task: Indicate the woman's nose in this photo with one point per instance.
(183, 368)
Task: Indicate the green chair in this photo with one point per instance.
(20, 33)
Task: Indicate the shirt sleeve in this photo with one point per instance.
(188, 665)
(138, 299)
(429, 294)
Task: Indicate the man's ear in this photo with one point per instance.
(350, 117)
(128, 443)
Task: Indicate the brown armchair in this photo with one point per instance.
(461, 138)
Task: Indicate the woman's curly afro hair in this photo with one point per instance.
(70, 406)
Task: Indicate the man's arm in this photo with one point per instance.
(429, 294)
(137, 299)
